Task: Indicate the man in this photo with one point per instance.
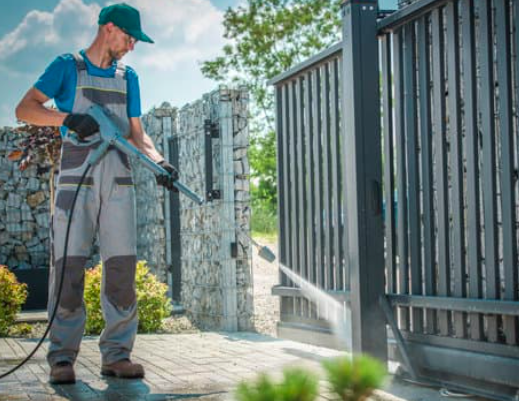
(105, 203)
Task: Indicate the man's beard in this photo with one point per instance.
(116, 55)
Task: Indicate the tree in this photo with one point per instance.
(267, 37)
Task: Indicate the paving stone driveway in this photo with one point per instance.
(204, 366)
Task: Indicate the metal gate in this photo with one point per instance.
(442, 159)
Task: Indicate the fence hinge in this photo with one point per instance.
(211, 128)
(213, 194)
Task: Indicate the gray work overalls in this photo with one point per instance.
(105, 204)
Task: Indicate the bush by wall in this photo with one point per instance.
(12, 296)
(154, 305)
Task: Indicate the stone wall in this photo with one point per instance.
(24, 209)
(215, 287)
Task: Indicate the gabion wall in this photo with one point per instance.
(216, 287)
(151, 199)
(24, 210)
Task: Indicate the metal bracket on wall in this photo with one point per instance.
(211, 130)
(234, 250)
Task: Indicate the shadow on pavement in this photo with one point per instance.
(119, 389)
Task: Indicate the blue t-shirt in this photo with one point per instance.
(59, 81)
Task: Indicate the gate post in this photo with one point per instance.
(361, 141)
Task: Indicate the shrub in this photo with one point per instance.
(12, 296)
(354, 379)
(153, 303)
(297, 385)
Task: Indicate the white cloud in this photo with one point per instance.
(184, 31)
(45, 34)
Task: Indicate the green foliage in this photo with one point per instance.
(297, 385)
(262, 155)
(153, 303)
(263, 389)
(266, 38)
(264, 221)
(20, 330)
(354, 379)
(12, 296)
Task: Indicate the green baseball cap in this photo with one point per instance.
(125, 17)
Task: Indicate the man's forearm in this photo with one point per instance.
(33, 112)
(146, 146)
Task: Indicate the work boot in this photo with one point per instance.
(124, 368)
(62, 373)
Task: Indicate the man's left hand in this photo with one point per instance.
(167, 180)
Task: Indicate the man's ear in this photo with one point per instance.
(109, 27)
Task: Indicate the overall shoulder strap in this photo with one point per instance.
(120, 70)
(80, 63)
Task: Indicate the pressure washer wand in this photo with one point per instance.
(111, 135)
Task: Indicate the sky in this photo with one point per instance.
(186, 32)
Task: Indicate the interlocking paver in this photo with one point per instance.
(204, 367)
(188, 367)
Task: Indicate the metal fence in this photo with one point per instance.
(450, 152)
(311, 222)
(442, 156)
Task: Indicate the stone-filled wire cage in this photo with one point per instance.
(207, 260)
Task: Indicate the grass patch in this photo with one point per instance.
(264, 221)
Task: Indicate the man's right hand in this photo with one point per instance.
(83, 125)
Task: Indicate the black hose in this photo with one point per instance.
(60, 282)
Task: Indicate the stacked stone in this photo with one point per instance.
(24, 209)
(216, 288)
(151, 224)
(240, 125)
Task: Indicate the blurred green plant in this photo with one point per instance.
(13, 295)
(262, 389)
(297, 385)
(153, 303)
(351, 379)
(354, 379)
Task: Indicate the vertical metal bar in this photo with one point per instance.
(317, 157)
(293, 181)
(486, 65)
(342, 208)
(363, 175)
(281, 179)
(456, 167)
(287, 302)
(441, 163)
(325, 105)
(335, 167)
(424, 75)
(508, 198)
(402, 240)
(176, 251)
(413, 191)
(208, 158)
(472, 152)
(389, 171)
(310, 210)
(301, 206)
